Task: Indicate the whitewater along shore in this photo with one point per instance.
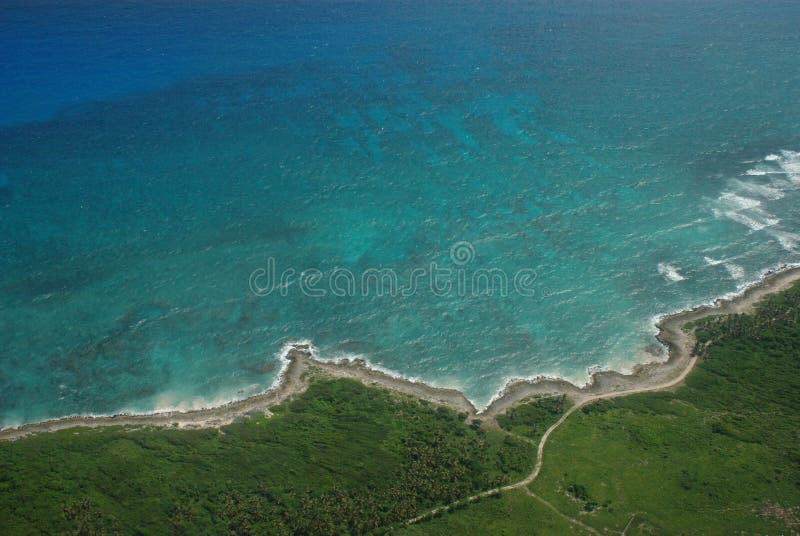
(302, 366)
(650, 376)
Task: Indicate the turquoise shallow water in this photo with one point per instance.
(637, 159)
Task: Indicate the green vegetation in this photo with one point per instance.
(719, 455)
(340, 458)
(532, 418)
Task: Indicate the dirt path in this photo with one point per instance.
(546, 436)
(647, 378)
(588, 400)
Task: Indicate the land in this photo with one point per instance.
(339, 458)
(341, 448)
(717, 453)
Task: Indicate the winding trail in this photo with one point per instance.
(646, 378)
(588, 400)
(687, 342)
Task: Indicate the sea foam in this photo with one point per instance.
(765, 191)
(744, 210)
(670, 272)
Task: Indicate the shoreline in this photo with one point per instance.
(294, 378)
(652, 375)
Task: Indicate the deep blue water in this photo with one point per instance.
(638, 157)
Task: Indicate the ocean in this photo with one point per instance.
(458, 192)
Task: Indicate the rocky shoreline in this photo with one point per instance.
(302, 366)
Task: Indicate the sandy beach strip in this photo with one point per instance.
(302, 367)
